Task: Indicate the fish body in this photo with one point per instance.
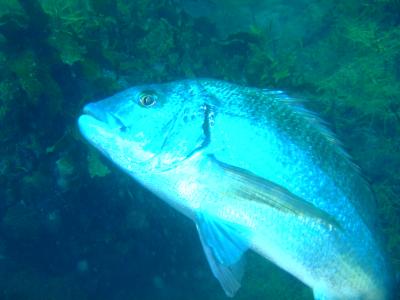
(253, 170)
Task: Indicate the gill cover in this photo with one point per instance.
(188, 133)
(162, 121)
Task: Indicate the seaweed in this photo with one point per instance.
(27, 72)
(95, 167)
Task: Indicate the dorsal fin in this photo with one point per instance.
(306, 127)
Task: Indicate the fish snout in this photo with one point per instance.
(94, 110)
(109, 119)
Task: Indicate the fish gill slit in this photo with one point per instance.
(206, 130)
(206, 125)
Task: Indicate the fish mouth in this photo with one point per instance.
(103, 129)
(92, 121)
(89, 125)
(92, 111)
(107, 118)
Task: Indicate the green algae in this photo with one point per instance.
(95, 167)
(27, 72)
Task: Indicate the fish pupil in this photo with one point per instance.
(147, 100)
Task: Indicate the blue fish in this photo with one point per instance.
(253, 170)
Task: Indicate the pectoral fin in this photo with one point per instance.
(224, 244)
(249, 186)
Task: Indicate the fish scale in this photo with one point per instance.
(254, 170)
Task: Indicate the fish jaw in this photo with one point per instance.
(95, 126)
(125, 153)
(93, 130)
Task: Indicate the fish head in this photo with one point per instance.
(147, 128)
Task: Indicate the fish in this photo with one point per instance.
(254, 170)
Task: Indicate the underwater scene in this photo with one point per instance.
(245, 148)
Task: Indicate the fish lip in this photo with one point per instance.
(90, 119)
(90, 110)
(105, 118)
(86, 121)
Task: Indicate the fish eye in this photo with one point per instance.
(147, 98)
